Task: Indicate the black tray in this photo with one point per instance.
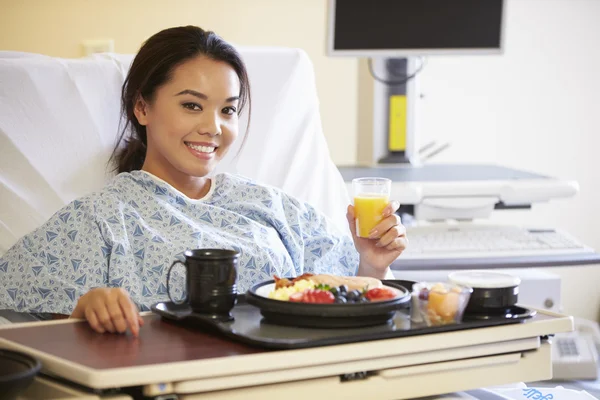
(509, 313)
(250, 328)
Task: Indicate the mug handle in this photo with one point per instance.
(185, 299)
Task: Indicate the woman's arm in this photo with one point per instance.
(364, 269)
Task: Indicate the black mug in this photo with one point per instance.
(210, 282)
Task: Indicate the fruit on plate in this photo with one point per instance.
(382, 293)
(284, 292)
(324, 294)
(344, 296)
(326, 289)
(313, 296)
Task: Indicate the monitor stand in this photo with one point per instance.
(395, 157)
(395, 96)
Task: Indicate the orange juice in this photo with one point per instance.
(368, 209)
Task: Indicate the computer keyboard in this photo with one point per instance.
(473, 241)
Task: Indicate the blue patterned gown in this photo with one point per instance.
(128, 234)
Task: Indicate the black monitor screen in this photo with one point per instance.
(417, 24)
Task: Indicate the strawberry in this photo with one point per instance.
(316, 296)
(382, 293)
(297, 297)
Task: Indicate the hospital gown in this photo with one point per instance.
(128, 234)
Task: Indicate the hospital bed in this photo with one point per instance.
(58, 123)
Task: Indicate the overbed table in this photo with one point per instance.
(178, 362)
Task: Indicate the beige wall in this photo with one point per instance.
(57, 28)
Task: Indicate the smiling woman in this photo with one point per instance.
(184, 92)
(106, 255)
(189, 132)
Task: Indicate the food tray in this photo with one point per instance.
(251, 328)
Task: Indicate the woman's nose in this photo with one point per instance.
(210, 125)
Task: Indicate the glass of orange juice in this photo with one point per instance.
(371, 196)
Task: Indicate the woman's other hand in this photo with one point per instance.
(109, 310)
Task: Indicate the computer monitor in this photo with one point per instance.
(393, 33)
(405, 28)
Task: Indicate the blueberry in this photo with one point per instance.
(353, 295)
(343, 289)
(340, 300)
(363, 300)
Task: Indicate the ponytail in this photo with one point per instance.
(131, 157)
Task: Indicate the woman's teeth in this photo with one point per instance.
(202, 149)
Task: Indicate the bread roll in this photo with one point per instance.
(353, 282)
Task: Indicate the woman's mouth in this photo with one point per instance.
(202, 150)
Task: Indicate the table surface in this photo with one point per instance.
(168, 352)
(162, 341)
(159, 342)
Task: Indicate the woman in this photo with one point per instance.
(105, 255)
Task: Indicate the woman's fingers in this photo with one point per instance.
(92, 319)
(118, 318)
(104, 317)
(391, 235)
(350, 216)
(131, 314)
(384, 226)
(350, 212)
(398, 244)
(109, 310)
(391, 208)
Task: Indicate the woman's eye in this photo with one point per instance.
(229, 110)
(192, 106)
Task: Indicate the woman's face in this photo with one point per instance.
(192, 120)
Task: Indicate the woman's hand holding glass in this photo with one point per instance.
(377, 230)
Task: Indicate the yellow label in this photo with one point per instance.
(368, 210)
(397, 137)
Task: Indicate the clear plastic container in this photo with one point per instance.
(441, 303)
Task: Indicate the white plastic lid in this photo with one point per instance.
(484, 279)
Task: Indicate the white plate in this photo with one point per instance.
(264, 291)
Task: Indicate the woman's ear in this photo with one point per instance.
(141, 111)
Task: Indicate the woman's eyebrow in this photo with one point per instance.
(203, 96)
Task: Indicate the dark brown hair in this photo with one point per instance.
(152, 67)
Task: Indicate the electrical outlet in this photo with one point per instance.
(98, 46)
